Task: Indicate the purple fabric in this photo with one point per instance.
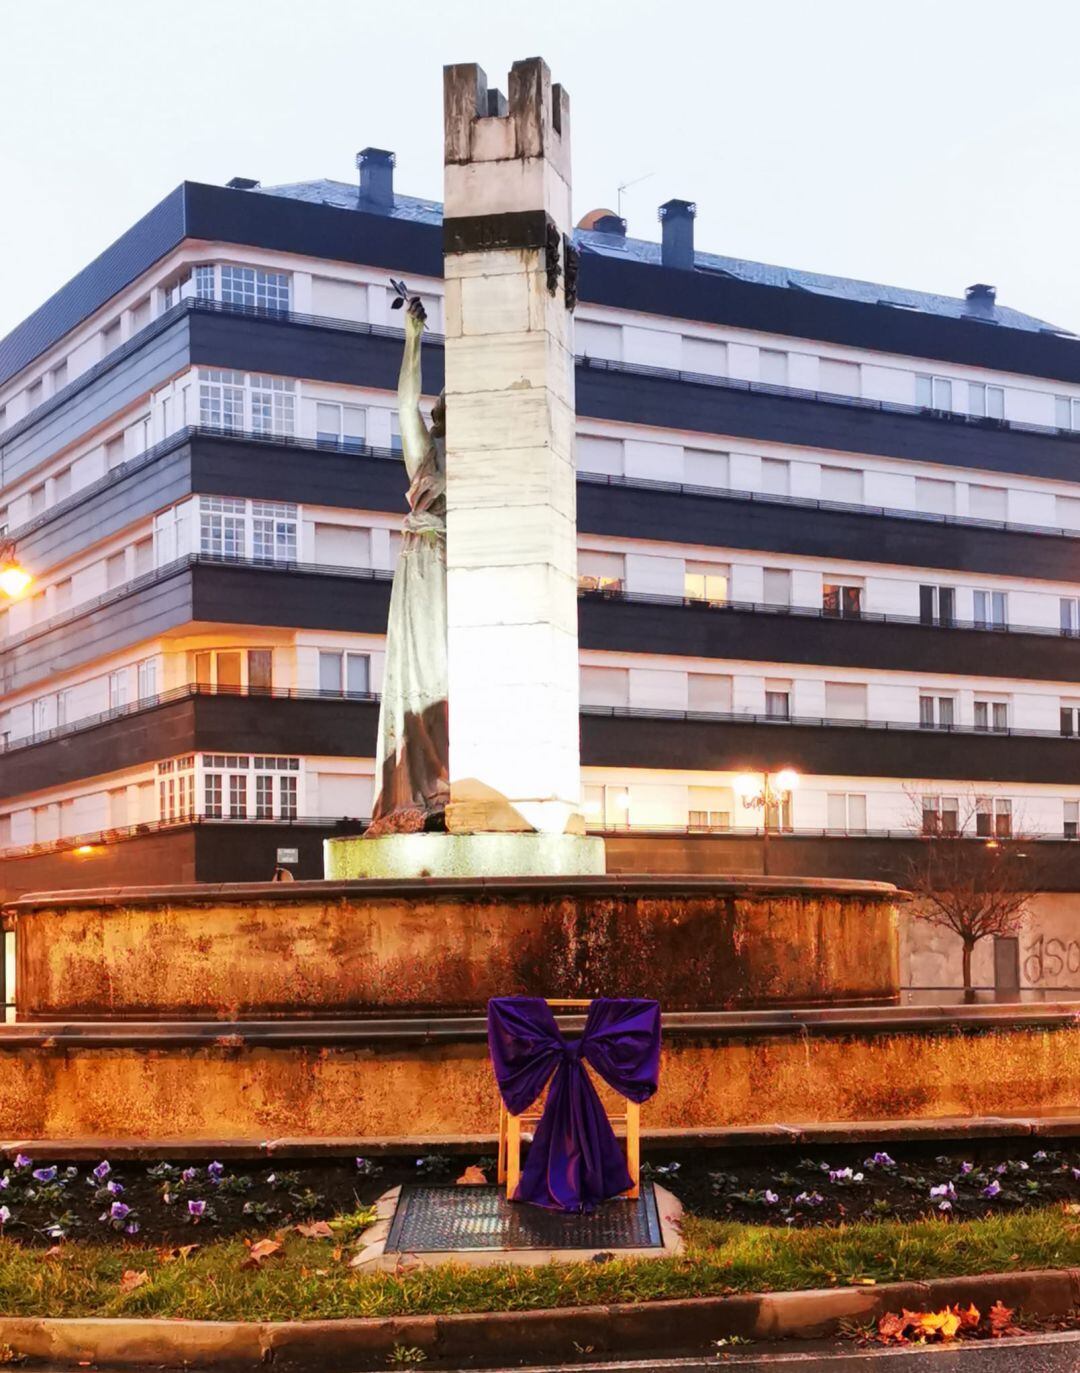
(575, 1161)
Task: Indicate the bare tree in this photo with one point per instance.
(975, 885)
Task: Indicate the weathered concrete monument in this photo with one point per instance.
(502, 451)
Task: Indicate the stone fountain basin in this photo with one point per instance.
(349, 948)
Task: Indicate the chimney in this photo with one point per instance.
(376, 179)
(242, 183)
(980, 300)
(611, 224)
(677, 228)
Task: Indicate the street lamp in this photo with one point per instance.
(14, 578)
(762, 791)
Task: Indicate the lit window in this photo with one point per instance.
(841, 602)
(706, 582)
(993, 817)
(601, 571)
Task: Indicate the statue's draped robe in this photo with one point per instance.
(411, 761)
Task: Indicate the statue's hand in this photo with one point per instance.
(415, 318)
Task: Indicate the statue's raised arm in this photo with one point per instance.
(417, 444)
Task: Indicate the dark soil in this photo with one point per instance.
(769, 1186)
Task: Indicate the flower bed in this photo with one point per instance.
(176, 1204)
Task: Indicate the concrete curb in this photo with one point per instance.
(532, 1336)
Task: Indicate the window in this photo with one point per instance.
(846, 812)
(1070, 719)
(273, 405)
(605, 686)
(35, 394)
(62, 484)
(601, 571)
(935, 497)
(344, 673)
(237, 796)
(988, 503)
(273, 532)
(147, 678)
(774, 367)
(111, 337)
(224, 669)
(37, 499)
(600, 455)
(839, 378)
(993, 817)
(1070, 615)
(118, 688)
(250, 287)
(940, 815)
(222, 527)
(114, 451)
(937, 605)
(287, 793)
(933, 393)
(842, 484)
(990, 609)
(340, 426)
(1067, 412)
(115, 570)
(205, 278)
(775, 476)
(1070, 819)
(395, 432)
(221, 399)
(988, 402)
(63, 706)
(706, 582)
(264, 796)
(841, 602)
(260, 666)
(709, 808)
(777, 586)
(42, 711)
(704, 355)
(709, 692)
(58, 377)
(992, 715)
(937, 712)
(845, 701)
(212, 795)
(607, 807)
(778, 700)
(704, 468)
(595, 340)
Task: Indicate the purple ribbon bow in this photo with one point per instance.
(574, 1162)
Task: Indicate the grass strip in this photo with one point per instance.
(722, 1257)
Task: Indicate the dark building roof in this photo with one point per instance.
(343, 196)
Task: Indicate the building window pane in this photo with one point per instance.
(273, 532)
(357, 674)
(212, 795)
(287, 809)
(330, 673)
(221, 527)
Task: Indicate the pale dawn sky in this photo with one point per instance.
(927, 145)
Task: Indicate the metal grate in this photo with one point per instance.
(444, 1219)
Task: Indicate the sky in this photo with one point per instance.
(925, 145)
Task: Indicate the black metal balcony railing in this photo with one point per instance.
(195, 689)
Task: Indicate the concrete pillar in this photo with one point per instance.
(511, 519)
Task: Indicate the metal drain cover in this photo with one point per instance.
(443, 1219)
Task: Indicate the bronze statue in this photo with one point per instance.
(411, 760)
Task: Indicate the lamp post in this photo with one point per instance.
(14, 578)
(761, 791)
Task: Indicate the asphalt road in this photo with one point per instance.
(1057, 1353)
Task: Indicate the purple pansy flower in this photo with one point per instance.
(189, 1175)
(196, 1208)
(22, 1161)
(116, 1188)
(5, 1215)
(132, 1228)
(966, 1168)
(881, 1160)
(119, 1211)
(993, 1190)
(945, 1190)
(215, 1170)
(809, 1199)
(944, 1206)
(1001, 1168)
(102, 1171)
(769, 1198)
(43, 1174)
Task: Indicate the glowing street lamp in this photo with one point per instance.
(14, 578)
(763, 791)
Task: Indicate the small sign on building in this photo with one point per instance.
(288, 855)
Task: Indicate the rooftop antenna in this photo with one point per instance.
(626, 186)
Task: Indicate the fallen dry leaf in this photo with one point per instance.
(335, 1254)
(55, 1252)
(969, 1319)
(1001, 1321)
(260, 1251)
(472, 1177)
(315, 1230)
(183, 1251)
(891, 1327)
(133, 1278)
